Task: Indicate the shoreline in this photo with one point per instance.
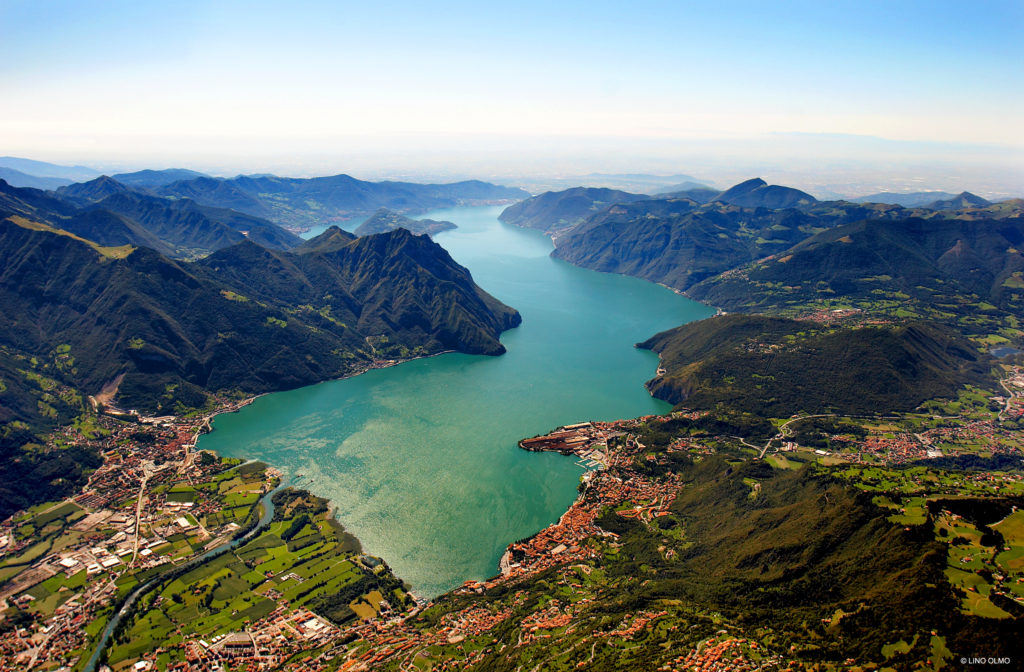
(574, 541)
(507, 567)
(205, 426)
(236, 406)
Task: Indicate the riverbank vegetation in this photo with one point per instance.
(303, 559)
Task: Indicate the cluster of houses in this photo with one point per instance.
(108, 540)
(727, 655)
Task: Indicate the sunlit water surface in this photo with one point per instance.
(420, 460)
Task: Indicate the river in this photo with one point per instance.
(266, 516)
(420, 460)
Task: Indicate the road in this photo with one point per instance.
(784, 433)
(1009, 399)
(138, 515)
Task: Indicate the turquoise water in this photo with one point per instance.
(420, 459)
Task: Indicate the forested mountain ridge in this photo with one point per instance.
(559, 212)
(34, 204)
(188, 226)
(776, 367)
(244, 320)
(964, 271)
(93, 191)
(555, 212)
(679, 241)
(961, 201)
(112, 214)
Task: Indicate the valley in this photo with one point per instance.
(862, 445)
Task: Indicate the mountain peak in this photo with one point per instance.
(334, 238)
(964, 199)
(104, 181)
(756, 193)
(747, 186)
(93, 190)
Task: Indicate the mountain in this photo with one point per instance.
(386, 220)
(166, 334)
(44, 169)
(110, 229)
(962, 201)
(689, 185)
(679, 242)
(910, 200)
(559, 212)
(217, 193)
(555, 212)
(302, 203)
(84, 193)
(16, 178)
(332, 239)
(776, 367)
(107, 212)
(966, 269)
(757, 193)
(148, 179)
(398, 285)
(33, 204)
(192, 229)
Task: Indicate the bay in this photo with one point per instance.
(420, 460)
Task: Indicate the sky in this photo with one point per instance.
(251, 86)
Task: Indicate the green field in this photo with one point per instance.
(313, 569)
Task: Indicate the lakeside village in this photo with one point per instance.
(154, 505)
(302, 595)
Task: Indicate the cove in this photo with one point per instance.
(420, 460)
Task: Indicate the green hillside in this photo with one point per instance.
(776, 367)
(112, 214)
(244, 320)
(963, 271)
(680, 241)
(799, 568)
(555, 212)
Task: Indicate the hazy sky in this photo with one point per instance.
(253, 82)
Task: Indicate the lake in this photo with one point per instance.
(420, 460)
